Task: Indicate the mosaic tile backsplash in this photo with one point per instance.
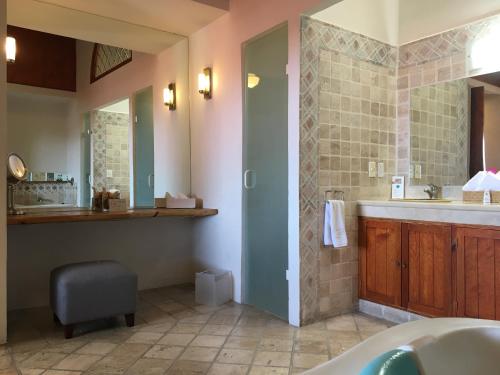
(110, 137)
(439, 129)
(45, 193)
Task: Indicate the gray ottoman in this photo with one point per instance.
(82, 292)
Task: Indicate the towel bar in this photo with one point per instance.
(338, 193)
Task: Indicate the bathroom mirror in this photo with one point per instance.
(85, 105)
(454, 130)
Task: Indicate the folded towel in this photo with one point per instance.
(334, 232)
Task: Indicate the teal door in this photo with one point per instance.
(265, 179)
(143, 149)
(86, 162)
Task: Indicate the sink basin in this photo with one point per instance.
(423, 200)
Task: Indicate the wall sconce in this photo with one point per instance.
(10, 49)
(252, 80)
(205, 83)
(169, 97)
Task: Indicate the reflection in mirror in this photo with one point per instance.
(71, 111)
(439, 130)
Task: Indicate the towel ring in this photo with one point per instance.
(335, 193)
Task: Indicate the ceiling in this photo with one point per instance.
(143, 25)
(399, 22)
(491, 78)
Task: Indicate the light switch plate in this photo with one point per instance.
(109, 173)
(372, 169)
(380, 169)
(412, 171)
(418, 171)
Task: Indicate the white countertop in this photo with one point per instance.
(447, 212)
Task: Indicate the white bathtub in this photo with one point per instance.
(444, 346)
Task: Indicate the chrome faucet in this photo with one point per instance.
(432, 191)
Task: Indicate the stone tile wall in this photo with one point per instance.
(348, 111)
(110, 149)
(342, 127)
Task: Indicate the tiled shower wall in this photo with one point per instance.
(110, 140)
(439, 132)
(348, 114)
(339, 129)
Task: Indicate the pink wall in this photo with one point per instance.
(216, 127)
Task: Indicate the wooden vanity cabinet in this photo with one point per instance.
(478, 272)
(380, 261)
(427, 273)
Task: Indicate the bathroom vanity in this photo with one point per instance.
(431, 259)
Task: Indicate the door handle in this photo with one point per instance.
(246, 179)
(151, 180)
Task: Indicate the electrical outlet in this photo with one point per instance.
(372, 169)
(412, 171)
(109, 173)
(380, 169)
(418, 171)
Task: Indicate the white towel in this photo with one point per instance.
(334, 230)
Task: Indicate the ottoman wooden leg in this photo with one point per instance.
(68, 331)
(130, 319)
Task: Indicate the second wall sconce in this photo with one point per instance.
(205, 83)
(169, 97)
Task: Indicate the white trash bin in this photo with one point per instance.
(214, 287)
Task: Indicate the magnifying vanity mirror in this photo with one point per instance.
(16, 172)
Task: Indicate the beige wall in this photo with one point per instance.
(492, 130)
(38, 130)
(3, 149)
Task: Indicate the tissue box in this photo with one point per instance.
(477, 196)
(116, 205)
(184, 203)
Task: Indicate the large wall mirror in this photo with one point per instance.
(454, 130)
(86, 108)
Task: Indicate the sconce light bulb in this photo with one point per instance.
(10, 49)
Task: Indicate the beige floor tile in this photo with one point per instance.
(235, 356)
(147, 366)
(277, 359)
(196, 319)
(314, 347)
(177, 339)
(67, 346)
(282, 332)
(209, 341)
(97, 348)
(228, 320)
(144, 338)
(342, 323)
(252, 322)
(264, 370)
(216, 329)
(111, 365)
(235, 342)
(275, 345)
(43, 360)
(9, 371)
(189, 368)
(226, 369)
(199, 354)
(61, 372)
(130, 350)
(159, 328)
(248, 331)
(164, 352)
(31, 371)
(186, 328)
(307, 360)
(5, 361)
(171, 307)
(77, 362)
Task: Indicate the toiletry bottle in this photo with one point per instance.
(487, 197)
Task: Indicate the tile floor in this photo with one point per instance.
(174, 335)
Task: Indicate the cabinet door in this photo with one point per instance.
(428, 269)
(478, 273)
(380, 261)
